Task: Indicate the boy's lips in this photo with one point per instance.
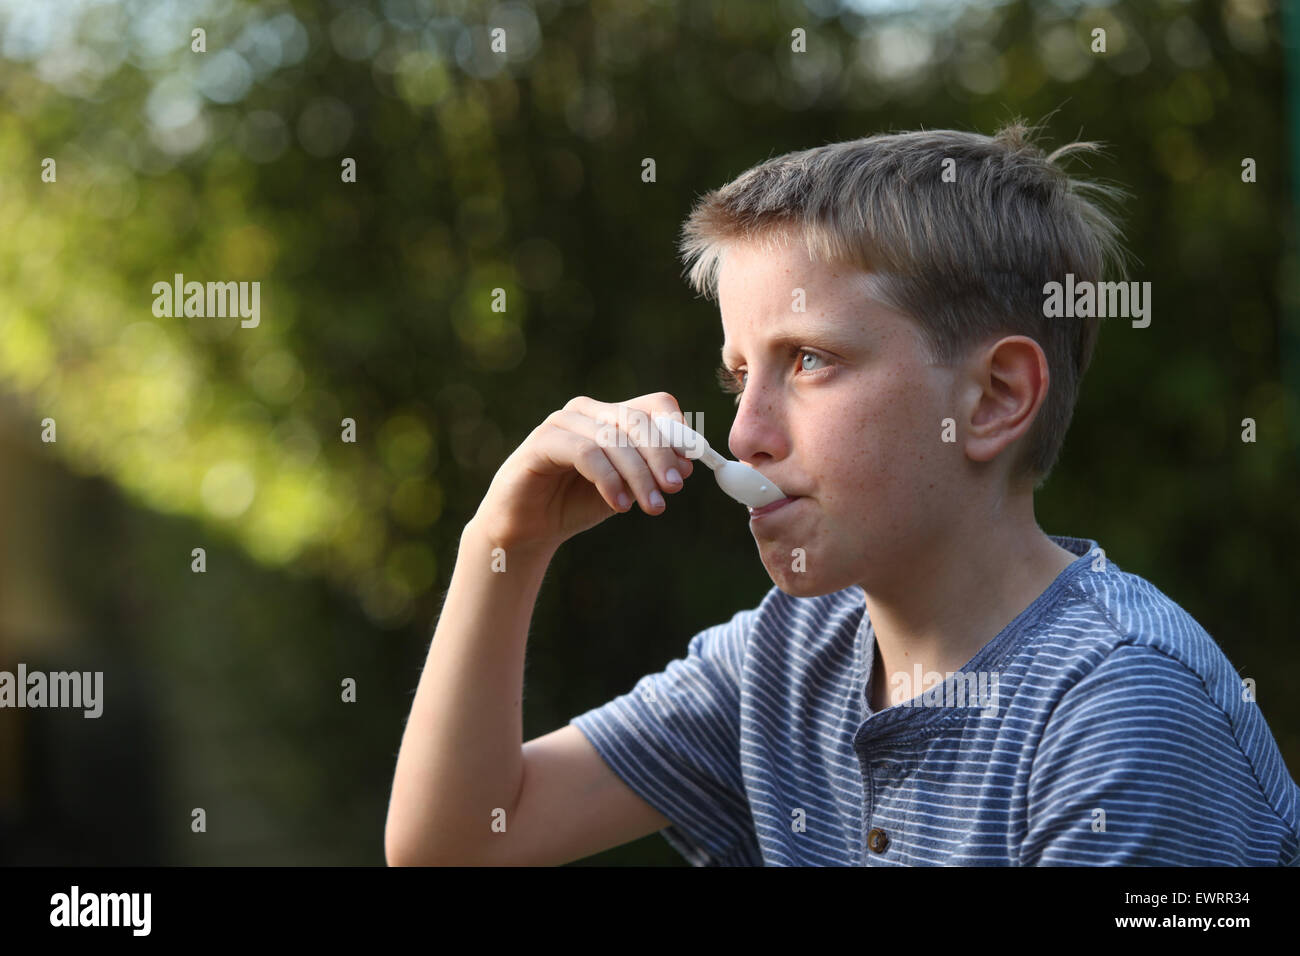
(759, 512)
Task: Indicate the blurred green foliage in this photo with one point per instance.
(478, 172)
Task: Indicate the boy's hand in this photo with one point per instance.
(568, 474)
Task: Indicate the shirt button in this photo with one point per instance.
(878, 840)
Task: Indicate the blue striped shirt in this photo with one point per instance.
(1102, 726)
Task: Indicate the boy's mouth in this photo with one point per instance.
(768, 509)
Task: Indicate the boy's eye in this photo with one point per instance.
(811, 355)
(728, 382)
(731, 380)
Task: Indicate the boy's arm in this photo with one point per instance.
(462, 757)
(572, 805)
(675, 739)
(1139, 766)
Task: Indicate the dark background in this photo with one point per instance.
(476, 171)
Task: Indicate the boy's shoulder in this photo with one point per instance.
(1126, 656)
(1107, 609)
(1133, 607)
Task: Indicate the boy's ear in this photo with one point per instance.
(1006, 383)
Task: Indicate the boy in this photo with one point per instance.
(1085, 718)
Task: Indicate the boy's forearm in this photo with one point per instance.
(462, 750)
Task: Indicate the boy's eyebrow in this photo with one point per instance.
(870, 288)
(791, 337)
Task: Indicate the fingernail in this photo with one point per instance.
(624, 501)
(673, 477)
(656, 499)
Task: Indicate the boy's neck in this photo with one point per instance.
(941, 619)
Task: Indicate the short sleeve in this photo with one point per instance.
(675, 740)
(1139, 766)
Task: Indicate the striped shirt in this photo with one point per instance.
(1102, 726)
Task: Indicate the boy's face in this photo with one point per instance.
(852, 425)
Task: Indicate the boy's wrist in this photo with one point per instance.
(478, 532)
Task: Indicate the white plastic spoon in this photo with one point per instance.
(747, 485)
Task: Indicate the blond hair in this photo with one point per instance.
(966, 260)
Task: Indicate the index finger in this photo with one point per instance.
(651, 406)
(631, 422)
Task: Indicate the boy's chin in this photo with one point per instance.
(800, 583)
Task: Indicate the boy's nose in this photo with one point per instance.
(758, 430)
